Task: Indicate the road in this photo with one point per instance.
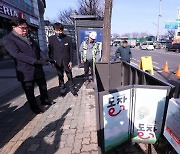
(159, 57)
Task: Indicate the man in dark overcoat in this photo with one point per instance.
(60, 50)
(28, 60)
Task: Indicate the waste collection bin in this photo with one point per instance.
(131, 105)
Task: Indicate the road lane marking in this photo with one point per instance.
(167, 53)
(156, 67)
(136, 59)
(160, 71)
(135, 64)
(155, 62)
(138, 65)
(139, 61)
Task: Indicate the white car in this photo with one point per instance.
(150, 46)
(143, 46)
(147, 45)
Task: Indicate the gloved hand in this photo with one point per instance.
(41, 62)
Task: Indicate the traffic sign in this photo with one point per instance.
(178, 20)
(171, 25)
(146, 64)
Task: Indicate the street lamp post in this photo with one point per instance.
(158, 25)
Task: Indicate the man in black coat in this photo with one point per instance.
(28, 60)
(60, 50)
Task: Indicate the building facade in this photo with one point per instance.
(177, 33)
(32, 11)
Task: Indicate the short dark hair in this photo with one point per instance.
(18, 21)
(125, 41)
(58, 25)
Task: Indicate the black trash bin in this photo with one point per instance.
(131, 105)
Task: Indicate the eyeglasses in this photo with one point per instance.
(23, 28)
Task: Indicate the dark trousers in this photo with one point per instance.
(60, 71)
(28, 87)
(88, 65)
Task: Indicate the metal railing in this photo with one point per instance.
(118, 74)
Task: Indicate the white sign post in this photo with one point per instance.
(148, 117)
(172, 125)
(116, 118)
(134, 114)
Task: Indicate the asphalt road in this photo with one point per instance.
(159, 58)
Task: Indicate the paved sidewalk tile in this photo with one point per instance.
(66, 127)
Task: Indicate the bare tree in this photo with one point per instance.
(64, 16)
(170, 33)
(143, 34)
(85, 7)
(91, 7)
(115, 36)
(126, 35)
(135, 34)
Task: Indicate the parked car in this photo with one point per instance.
(173, 47)
(116, 43)
(143, 46)
(157, 45)
(148, 45)
(132, 43)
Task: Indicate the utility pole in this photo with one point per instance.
(107, 31)
(159, 16)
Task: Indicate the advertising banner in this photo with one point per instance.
(116, 109)
(172, 125)
(148, 114)
(84, 34)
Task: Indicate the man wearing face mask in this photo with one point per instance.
(124, 52)
(28, 60)
(60, 50)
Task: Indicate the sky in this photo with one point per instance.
(128, 16)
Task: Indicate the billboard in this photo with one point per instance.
(171, 25)
(84, 34)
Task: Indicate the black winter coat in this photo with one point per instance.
(61, 51)
(24, 56)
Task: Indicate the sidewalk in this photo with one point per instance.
(67, 127)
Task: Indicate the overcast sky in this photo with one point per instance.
(128, 16)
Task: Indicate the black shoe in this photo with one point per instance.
(37, 110)
(73, 91)
(48, 102)
(62, 91)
